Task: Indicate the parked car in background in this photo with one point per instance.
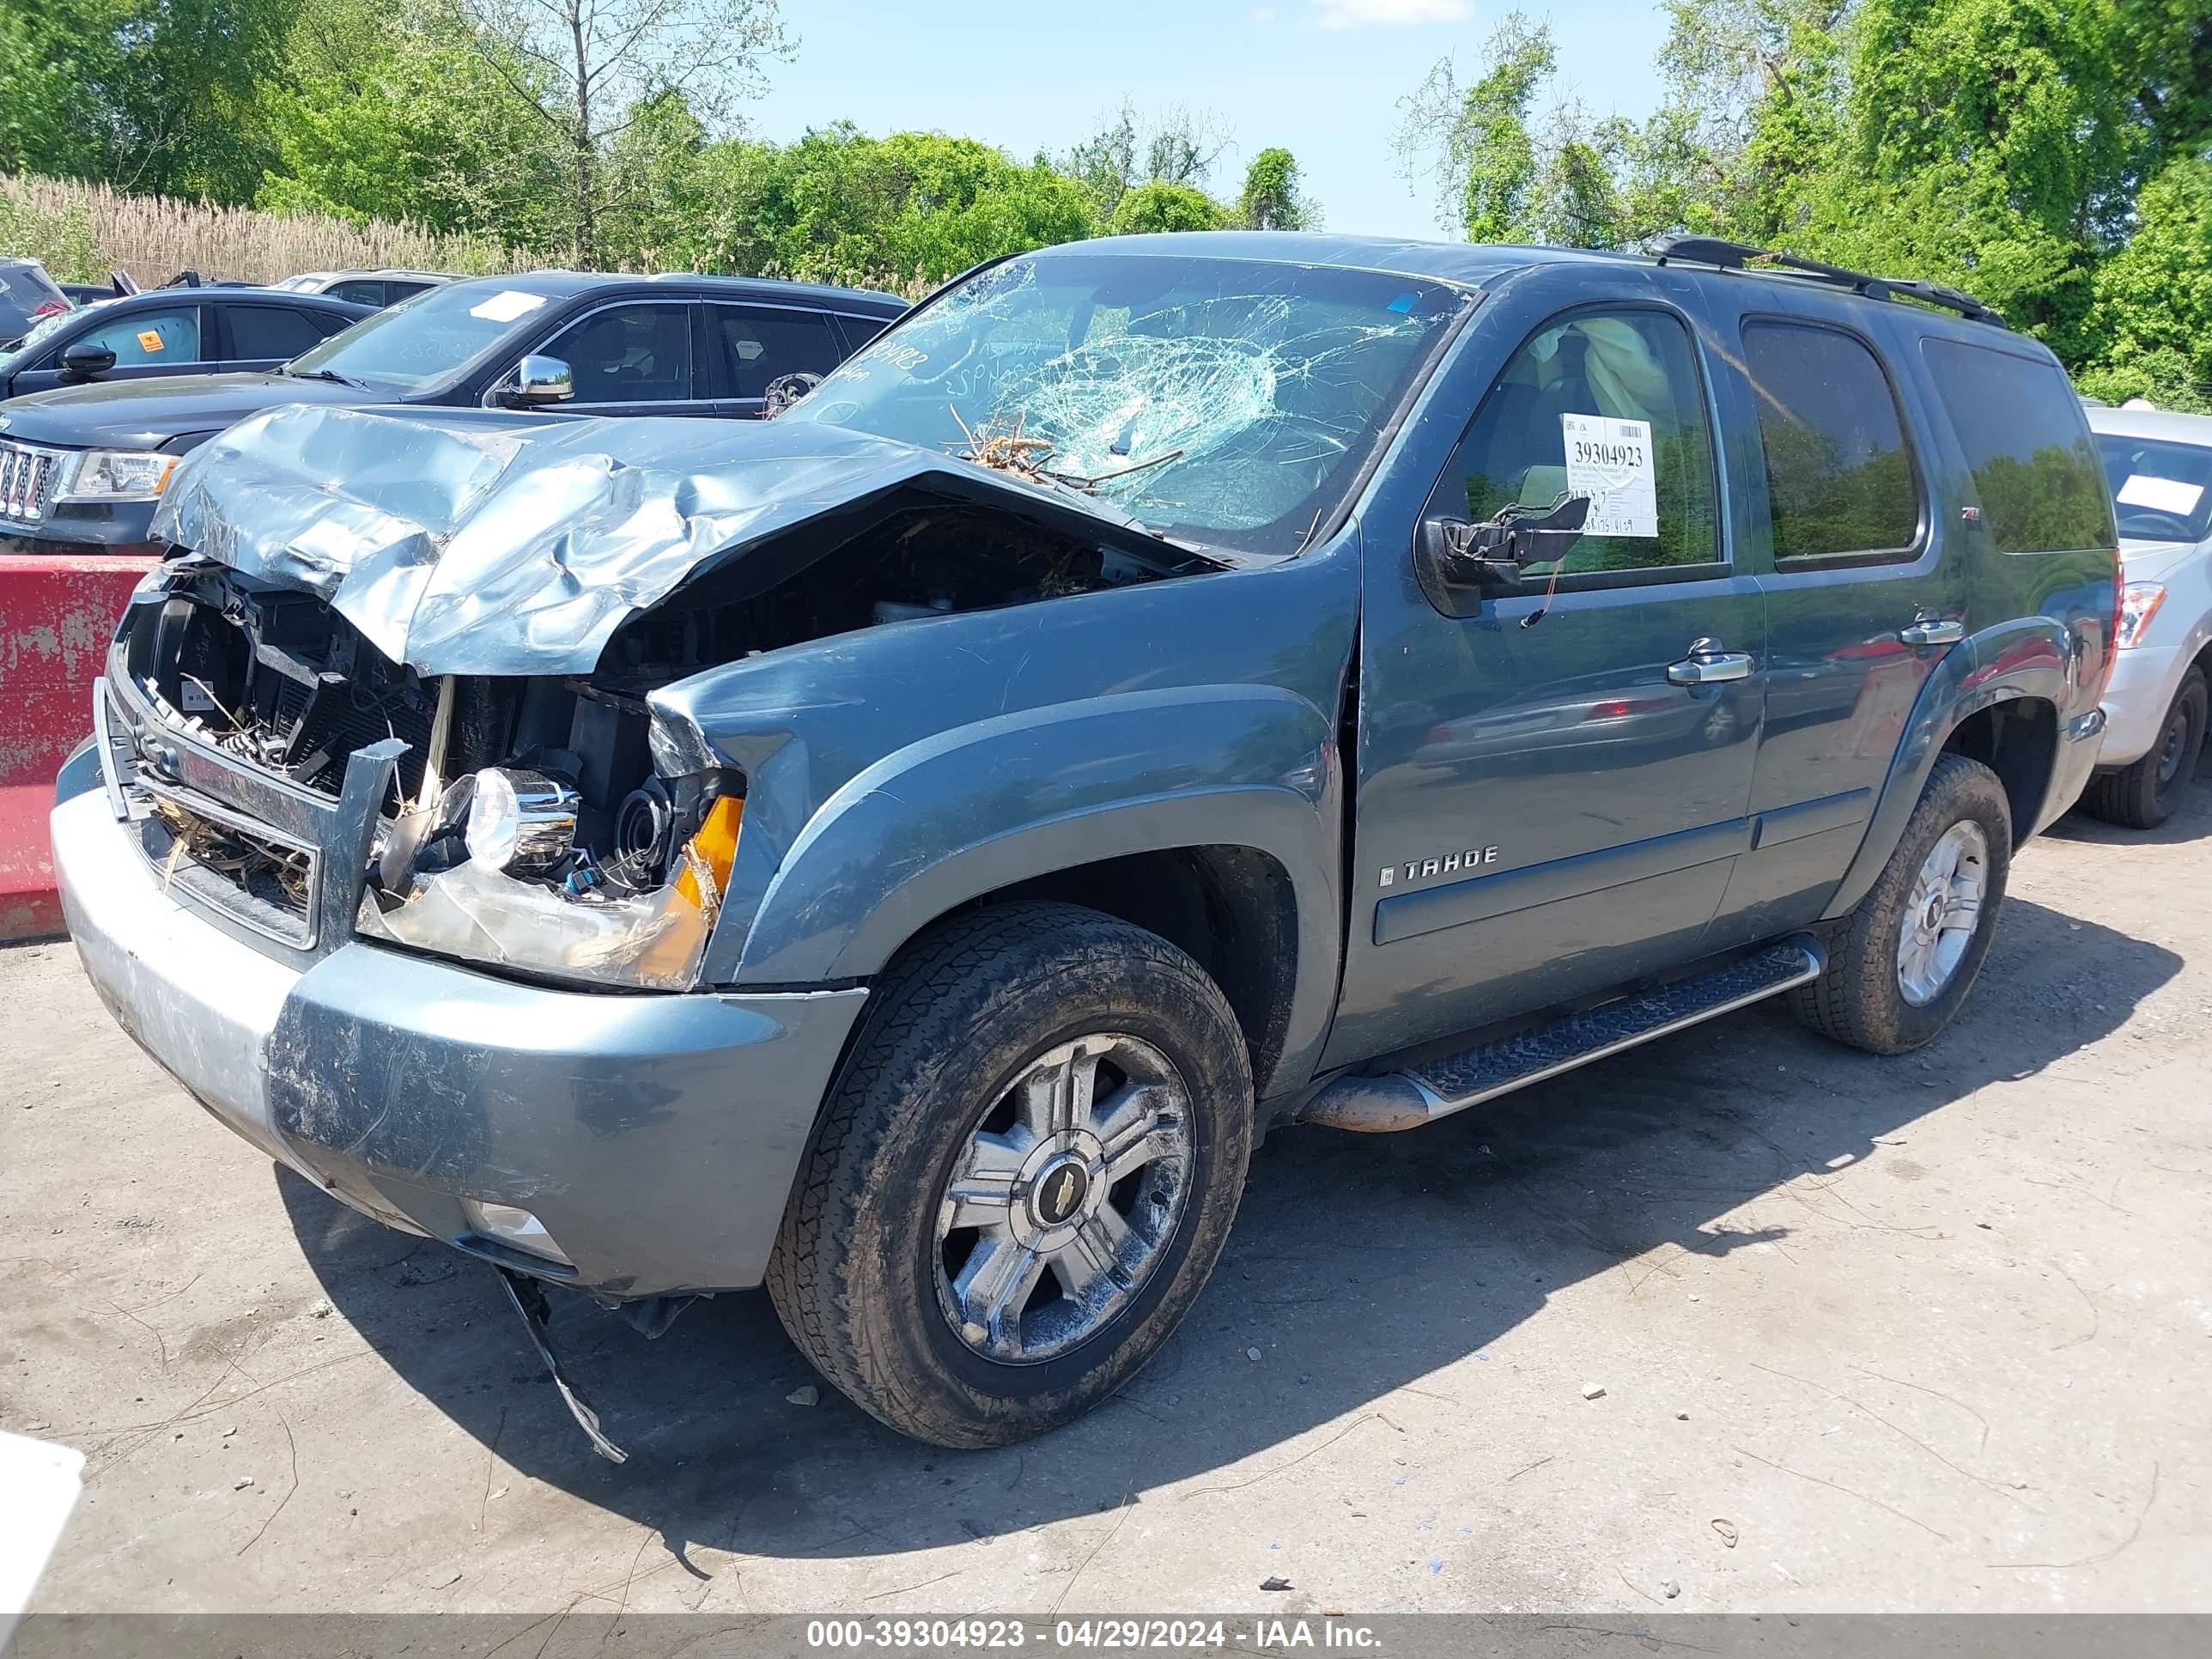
(2158, 465)
(93, 460)
(168, 332)
(906, 853)
(26, 294)
(368, 287)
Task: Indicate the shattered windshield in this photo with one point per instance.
(1228, 401)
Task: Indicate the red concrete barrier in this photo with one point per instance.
(57, 613)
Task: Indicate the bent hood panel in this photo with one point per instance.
(483, 543)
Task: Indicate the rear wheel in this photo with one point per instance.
(1901, 964)
(2144, 795)
(1025, 1175)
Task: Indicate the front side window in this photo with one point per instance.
(148, 336)
(2162, 489)
(629, 354)
(758, 345)
(1233, 402)
(1839, 476)
(2035, 470)
(360, 291)
(1606, 404)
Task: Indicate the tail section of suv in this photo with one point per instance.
(905, 853)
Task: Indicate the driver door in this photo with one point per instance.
(1555, 770)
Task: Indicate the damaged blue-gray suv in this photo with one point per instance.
(904, 853)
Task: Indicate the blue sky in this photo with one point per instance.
(1322, 77)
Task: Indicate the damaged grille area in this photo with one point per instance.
(234, 864)
(277, 678)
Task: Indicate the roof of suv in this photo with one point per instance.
(560, 284)
(1469, 265)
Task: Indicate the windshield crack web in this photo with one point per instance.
(1191, 410)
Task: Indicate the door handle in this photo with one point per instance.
(1932, 630)
(1708, 663)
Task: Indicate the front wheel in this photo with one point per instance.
(1026, 1172)
(1902, 963)
(2143, 796)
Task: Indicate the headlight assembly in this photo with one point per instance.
(492, 877)
(116, 475)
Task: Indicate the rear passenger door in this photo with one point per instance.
(634, 357)
(753, 345)
(1835, 516)
(264, 335)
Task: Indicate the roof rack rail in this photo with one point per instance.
(1738, 256)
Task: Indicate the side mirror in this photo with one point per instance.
(1458, 554)
(785, 390)
(538, 381)
(85, 361)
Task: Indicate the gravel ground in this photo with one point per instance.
(1738, 1321)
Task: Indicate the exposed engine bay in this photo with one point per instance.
(525, 824)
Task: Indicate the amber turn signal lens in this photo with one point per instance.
(715, 846)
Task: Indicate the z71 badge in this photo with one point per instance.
(1450, 864)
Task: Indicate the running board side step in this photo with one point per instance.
(1421, 1094)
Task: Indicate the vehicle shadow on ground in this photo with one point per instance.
(2191, 821)
(1358, 1264)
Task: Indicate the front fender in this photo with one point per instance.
(2027, 657)
(978, 808)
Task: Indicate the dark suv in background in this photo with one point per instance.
(172, 331)
(90, 462)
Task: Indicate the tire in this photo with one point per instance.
(865, 1274)
(2144, 795)
(1864, 999)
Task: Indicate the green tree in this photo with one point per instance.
(2151, 316)
(1175, 145)
(1155, 207)
(591, 69)
(1475, 142)
(391, 113)
(1271, 198)
(159, 95)
(901, 212)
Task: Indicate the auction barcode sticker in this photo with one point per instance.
(1609, 461)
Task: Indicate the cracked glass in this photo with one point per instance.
(1225, 401)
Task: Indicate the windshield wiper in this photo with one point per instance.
(330, 375)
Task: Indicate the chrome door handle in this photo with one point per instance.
(1708, 663)
(1932, 630)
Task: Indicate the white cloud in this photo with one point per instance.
(1357, 14)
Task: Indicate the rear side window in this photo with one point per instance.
(272, 332)
(2027, 445)
(1839, 476)
(759, 346)
(859, 330)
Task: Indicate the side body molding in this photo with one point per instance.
(977, 808)
(2028, 657)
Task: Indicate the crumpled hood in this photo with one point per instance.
(478, 541)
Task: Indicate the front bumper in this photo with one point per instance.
(2144, 680)
(656, 1137)
(84, 527)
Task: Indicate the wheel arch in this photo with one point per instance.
(1212, 819)
(2000, 700)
